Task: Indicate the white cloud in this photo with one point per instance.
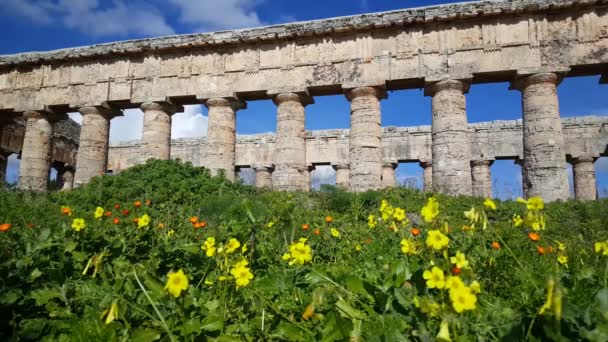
(12, 169)
(189, 124)
(93, 17)
(218, 15)
(323, 174)
(127, 127)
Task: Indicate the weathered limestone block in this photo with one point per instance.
(544, 167)
(388, 174)
(221, 135)
(482, 178)
(290, 144)
(308, 173)
(93, 150)
(37, 147)
(263, 176)
(585, 187)
(427, 175)
(365, 141)
(451, 148)
(342, 175)
(156, 135)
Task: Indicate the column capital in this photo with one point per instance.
(482, 162)
(304, 99)
(390, 164)
(262, 167)
(583, 159)
(108, 113)
(164, 106)
(433, 87)
(378, 92)
(232, 102)
(425, 164)
(521, 82)
(50, 116)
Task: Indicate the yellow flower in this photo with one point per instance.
(299, 253)
(358, 247)
(463, 299)
(560, 246)
(436, 240)
(454, 283)
(244, 249)
(517, 220)
(444, 332)
(334, 232)
(242, 276)
(208, 282)
(408, 247)
(553, 301)
(475, 287)
(601, 247)
(286, 256)
(386, 210)
(563, 259)
(176, 283)
(209, 247)
(460, 260)
(472, 215)
(371, 221)
(489, 204)
(270, 224)
(434, 278)
(240, 263)
(399, 214)
(222, 278)
(533, 203)
(431, 210)
(170, 233)
(78, 224)
(111, 314)
(99, 212)
(143, 221)
(232, 245)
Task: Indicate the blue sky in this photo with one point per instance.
(39, 25)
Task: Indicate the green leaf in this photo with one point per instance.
(348, 310)
(10, 297)
(213, 323)
(289, 332)
(42, 297)
(145, 335)
(35, 274)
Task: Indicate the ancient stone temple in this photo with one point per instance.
(445, 49)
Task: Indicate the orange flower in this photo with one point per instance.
(116, 206)
(202, 224)
(5, 227)
(116, 220)
(193, 219)
(137, 204)
(161, 225)
(549, 249)
(136, 220)
(148, 202)
(540, 250)
(534, 236)
(66, 211)
(415, 231)
(107, 214)
(125, 212)
(368, 241)
(305, 226)
(328, 219)
(456, 270)
(496, 245)
(317, 232)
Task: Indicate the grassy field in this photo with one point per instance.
(164, 252)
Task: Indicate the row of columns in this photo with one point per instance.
(544, 162)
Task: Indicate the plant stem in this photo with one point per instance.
(162, 319)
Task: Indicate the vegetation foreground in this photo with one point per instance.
(165, 252)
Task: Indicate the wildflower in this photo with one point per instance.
(308, 312)
(371, 221)
(415, 231)
(299, 253)
(386, 210)
(408, 247)
(240, 263)
(553, 301)
(116, 220)
(540, 250)
(242, 276)
(208, 282)
(454, 283)
(232, 245)
(473, 215)
(463, 299)
(222, 278)
(560, 246)
(460, 260)
(431, 210)
(209, 247)
(316, 232)
(125, 212)
(563, 260)
(176, 283)
(270, 224)
(99, 212)
(116, 206)
(136, 220)
(517, 220)
(436, 240)
(533, 236)
(143, 221)
(148, 203)
(358, 248)
(495, 245)
(489, 204)
(201, 224)
(601, 247)
(334, 232)
(475, 287)
(456, 270)
(5, 227)
(328, 219)
(193, 219)
(399, 214)
(305, 226)
(444, 332)
(161, 225)
(244, 249)
(434, 278)
(78, 224)
(107, 214)
(66, 211)
(111, 314)
(170, 233)
(137, 204)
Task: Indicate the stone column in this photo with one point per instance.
(427, 175)
(342, 175)
(36, 151)
(482, 178)
(93, 150)
(263, 176)
(544, 157)
(585, 187)
(308, 174)
(365, 144)
(290, 142)
(451, 148)
(388, 174)
(156, 135)
(221, 135)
